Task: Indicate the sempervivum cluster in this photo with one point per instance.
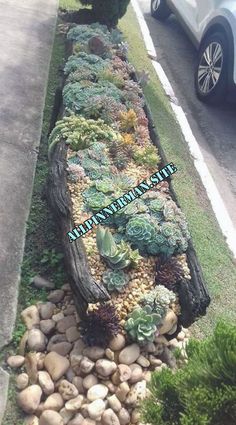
(168, 272)
(100, 326)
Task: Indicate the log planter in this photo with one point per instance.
(193, 294)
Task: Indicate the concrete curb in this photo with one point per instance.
(213, 194)
(26, 41)
(4, 383)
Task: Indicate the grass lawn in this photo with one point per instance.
(215, 258)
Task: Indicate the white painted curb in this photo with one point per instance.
(214, 196)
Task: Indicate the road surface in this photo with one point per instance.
(213, 127)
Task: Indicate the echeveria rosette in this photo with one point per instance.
(115, 280)
(99, 152)
(85, 61)
(157, 205)
(98, 173)
(89, 192)
(141, 325)
(141, 230)
(105, 185)
(76, 95)
(97, 201)
(83, 33)
(120, 219)
(124, 182)
(158, 300)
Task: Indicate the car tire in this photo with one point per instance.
(160, 10)
(211, 76)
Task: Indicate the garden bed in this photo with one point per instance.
(134, 281)
(193, 294)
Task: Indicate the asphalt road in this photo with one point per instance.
(213, 127)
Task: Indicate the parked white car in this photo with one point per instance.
(211, 25)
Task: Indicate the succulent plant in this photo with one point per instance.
(100, 326)
(80, 133)
(114, 78)
(97, 45)
(168, 271)
(83, 33)
(81, 75)
(89, 192)
(115, 280)
(141, 324)
(128, 120)
(104, 107)
(141, 230)
(98, 173)
(128, 141)
(89, 164)
(120, 153)
(124, 182)
(105, 185)
(135, 207)
(76, 95)
(121, 161)
(74, 160)
(123, 67)
(147, 156)
(85, 61)
(76, 172)
(116, 256)
(157, 204)
(158, 300)
(97, 201)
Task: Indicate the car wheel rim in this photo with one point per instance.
(156, 4)
(210, 67)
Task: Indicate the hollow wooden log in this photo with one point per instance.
(193, 294)
(84, 287)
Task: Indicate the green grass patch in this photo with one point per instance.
(215, 258)
(69, 4)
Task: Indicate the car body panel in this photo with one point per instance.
(199, 16)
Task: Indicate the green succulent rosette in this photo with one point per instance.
(141, 230)
(115, 280)
(141, 324)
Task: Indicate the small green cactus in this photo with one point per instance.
(115, 280)
(141, 324)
